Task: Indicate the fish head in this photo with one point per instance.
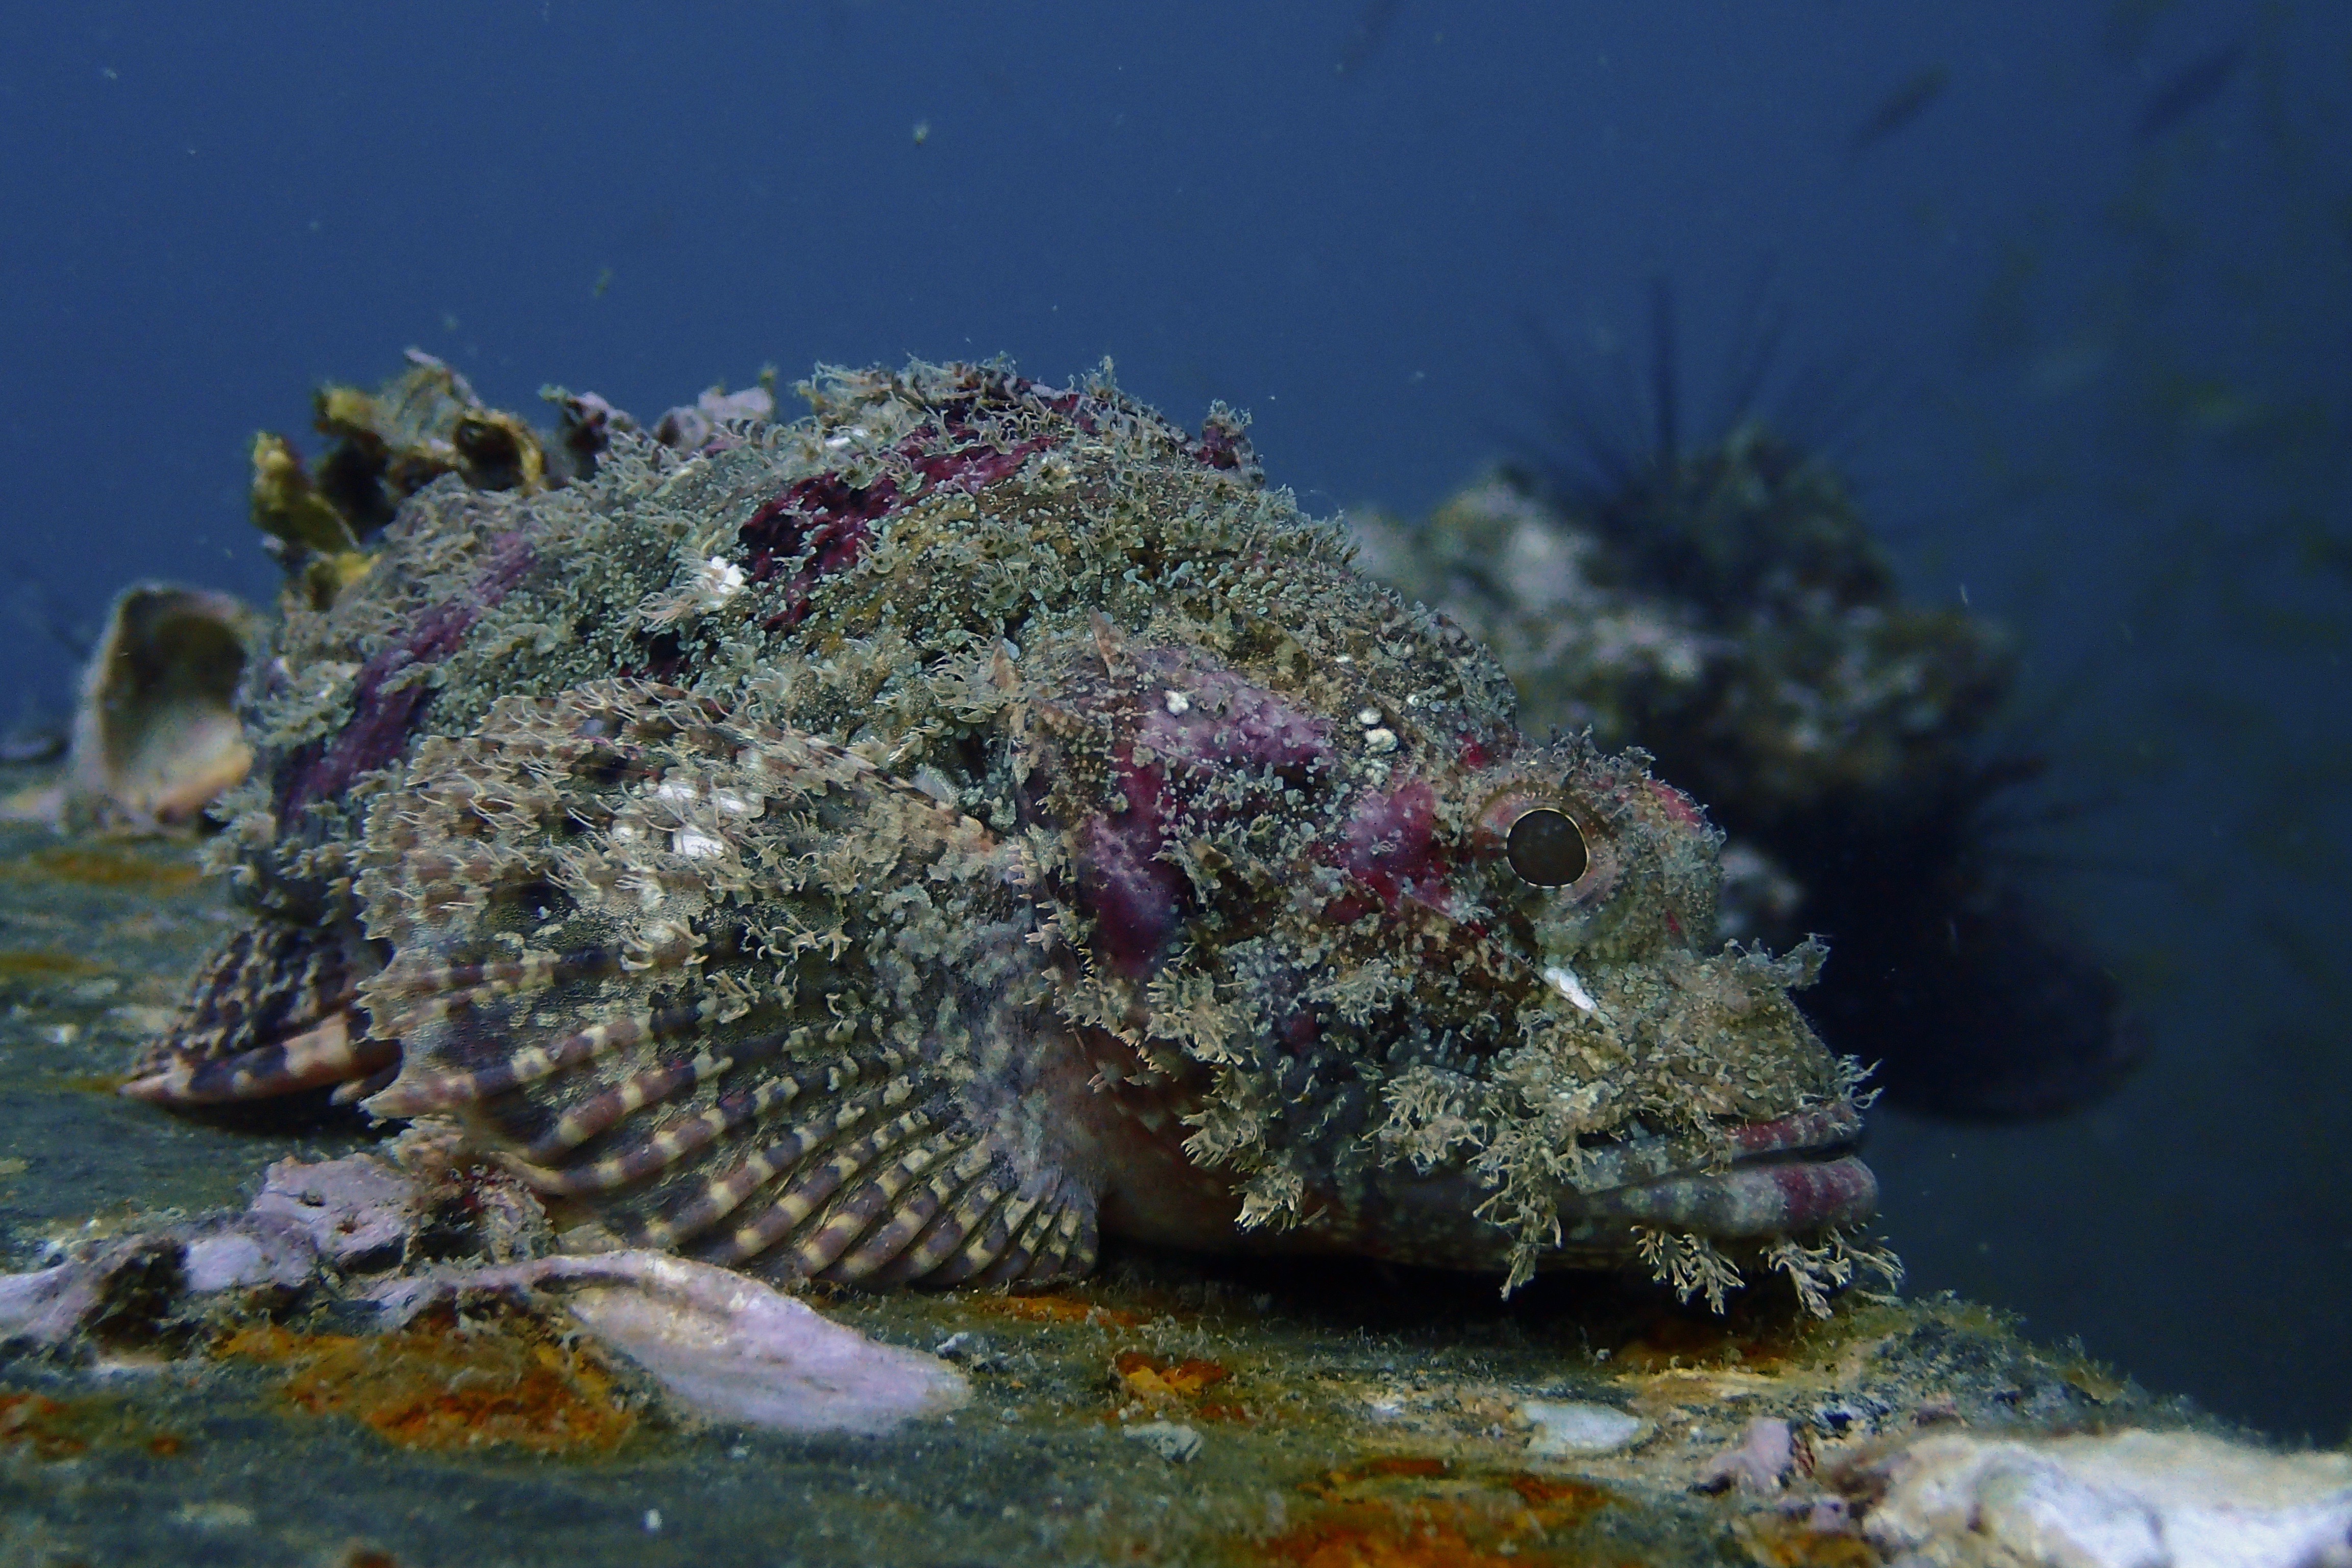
(1406, 983)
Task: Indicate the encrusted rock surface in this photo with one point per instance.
(1346, 1412)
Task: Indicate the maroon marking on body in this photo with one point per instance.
(1183, 766)
(1813, 1194)
(826, 523)
(381, 721)
(1813, 1129)
(973, 468)
(664, 657)
(1388, 848)
(1222, 446)
(822, 523)
(992, 391)
(1137, 899)
(1230, 722)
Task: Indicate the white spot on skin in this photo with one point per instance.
(933, 783)
(696, 844)
(718, 582)
(1564, 981)
(1380, 740)
(1179, 704)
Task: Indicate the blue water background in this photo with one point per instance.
(2102, 305)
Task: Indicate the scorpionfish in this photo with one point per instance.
(904, 845)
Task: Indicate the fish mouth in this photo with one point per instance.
(1745, 1184)
(1787, 1176)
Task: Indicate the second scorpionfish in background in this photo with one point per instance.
(901, 845)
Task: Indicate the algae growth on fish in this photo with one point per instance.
(902, 845)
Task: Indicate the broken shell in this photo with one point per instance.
(722, 1346)
(156, 736)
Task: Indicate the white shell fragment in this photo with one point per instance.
(1758, 1462)
(720, 1345)
(1570, 1428)
(1177, 1444)
(244, 1257)
(1564, 980)
(47, 1306)
(2146, 1499)
(725, 1346)
(339, 1211)
(348, 1208)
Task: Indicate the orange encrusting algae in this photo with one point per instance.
(435, 1386)
(1056, 1309)
(1152, 1380)
(1415, 1511)
(63, 1429)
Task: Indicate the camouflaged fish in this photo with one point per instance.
(903, 845)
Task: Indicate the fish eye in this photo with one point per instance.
(1547, 847)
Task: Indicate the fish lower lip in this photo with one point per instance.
(1787, 1175)
(1784, 1197)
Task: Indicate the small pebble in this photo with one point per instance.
(1765, 1450)
(1177, 1444)
(213, 1515)
(1569, 1426)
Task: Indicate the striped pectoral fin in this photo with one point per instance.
(1056, 1240)
(724, 989)
(274, 1011)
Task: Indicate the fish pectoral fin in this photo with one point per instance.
(730, 988)
(273, 1012)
